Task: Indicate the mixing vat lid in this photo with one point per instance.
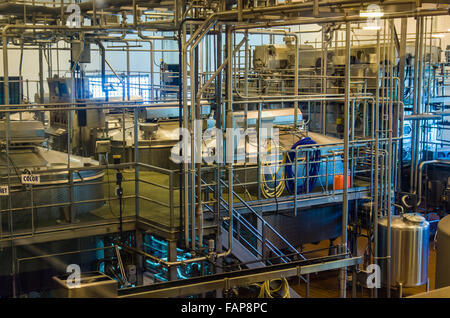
(413, 217)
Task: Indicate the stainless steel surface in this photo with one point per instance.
(443, 292)
(442, 278)
(26, 131)
(175, 289)
(410, 237)
(92, 285)
(53, 189)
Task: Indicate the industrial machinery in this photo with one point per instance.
(28, 157)
(408, 251)
(171, 144)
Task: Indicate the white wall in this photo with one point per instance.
(140, 61)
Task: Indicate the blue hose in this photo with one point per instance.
(313, 168)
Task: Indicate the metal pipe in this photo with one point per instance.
(419, 181)
(7, 137)
(343, 271)
(376, 120)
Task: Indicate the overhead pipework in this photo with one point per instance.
(172, 148)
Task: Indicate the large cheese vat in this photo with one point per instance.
(410, 236)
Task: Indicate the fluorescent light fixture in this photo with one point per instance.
(438, 35)
(371, 14)
(371, 27)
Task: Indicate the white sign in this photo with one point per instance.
(4, 191)
(31, 179)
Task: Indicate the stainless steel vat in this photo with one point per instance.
(443, 253)
(87, 187)
(410, 237)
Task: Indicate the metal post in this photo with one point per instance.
(128, 70)
(183, 77)
(172, 257)
(41, 75)
(401, 86)
(343, 274)
(136, 161)
(375, 189)
(139, 259)
(7, 137)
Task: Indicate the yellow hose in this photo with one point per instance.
(277, 190)
(266, 292)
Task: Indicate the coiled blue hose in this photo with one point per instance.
(313, 168)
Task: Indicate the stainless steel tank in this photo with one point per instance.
(443, 253)
(51, 197)
(410, 236)
(155, 143)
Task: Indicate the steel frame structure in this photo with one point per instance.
(193, 22)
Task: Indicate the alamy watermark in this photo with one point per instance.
(74, 18)
(235, 145)
(373, 14)
(374, 278)
(74, 279)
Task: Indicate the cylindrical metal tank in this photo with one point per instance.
(410, 237)
(443, 253)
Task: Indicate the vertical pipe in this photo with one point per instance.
(136, 161)
(415, 105)
(128, 70)
(41, 75)
(297, 48)
(171, 200)
(376, 187)
(152, 84)
(401, 87)
(7, 137)
(229, 125)
(323, 82)
(343, 271)
(193, 81)
(247, 66)
(196, 112)
(183, 77)
(218, 101)
(172, 257)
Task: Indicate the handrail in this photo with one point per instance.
(259, 236)
(254, 231)
(265, 223)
